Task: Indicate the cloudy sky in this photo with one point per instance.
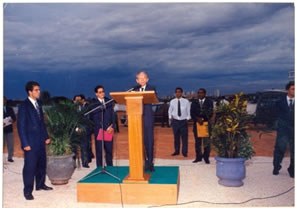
(71, 48)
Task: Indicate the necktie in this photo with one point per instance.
(37, 109)
(142, 89)
(291, 106)
(178, 108)
(201, 103)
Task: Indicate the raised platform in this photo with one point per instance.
(162, 188)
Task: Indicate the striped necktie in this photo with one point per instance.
(37, 109)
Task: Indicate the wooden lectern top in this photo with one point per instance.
(149, 97)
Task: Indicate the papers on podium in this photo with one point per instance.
(7, 121)
(104, 135)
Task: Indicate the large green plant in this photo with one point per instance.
(63, 121)
(228, 134)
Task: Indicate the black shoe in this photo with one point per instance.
(174, 154)
(197, 160)
(10, 160)
(44, 187)
(185, 155)
(86, 166)
(29, 197)
(206, 161)
(291, 173)
(152, 168)
(276, 170)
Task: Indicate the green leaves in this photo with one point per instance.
(61, 120)
(229, 136)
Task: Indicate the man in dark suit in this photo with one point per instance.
(285, 130)
(84, 133)
(9, 117)
(108, 124)
(87, 141)
(148, 120)
(201, 111)
(34, 137)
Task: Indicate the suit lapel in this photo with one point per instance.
(32, 109)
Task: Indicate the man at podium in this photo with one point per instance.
(148, 120)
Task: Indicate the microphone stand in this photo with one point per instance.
(103, 168)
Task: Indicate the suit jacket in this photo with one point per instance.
(96, 116)
(206, 112)
(32, 130)
(148, 114)
(9, 113)
(85, 108)
(285, 122)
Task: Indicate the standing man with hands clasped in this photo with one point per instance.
(179, 114)
(34, 137)
(201, 112)
(108, 125)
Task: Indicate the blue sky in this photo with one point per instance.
(71, 48)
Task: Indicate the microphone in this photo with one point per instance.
(130, 89)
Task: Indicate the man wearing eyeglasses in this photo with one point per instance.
(33, 135)
(105, 122)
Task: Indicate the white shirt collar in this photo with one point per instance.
(288, 99)
(142, 87)
(101, 100)
(32, 101)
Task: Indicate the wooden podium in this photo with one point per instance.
(134, 107)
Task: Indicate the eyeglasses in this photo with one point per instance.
(101, 92)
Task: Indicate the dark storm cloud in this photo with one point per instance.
(209, 40)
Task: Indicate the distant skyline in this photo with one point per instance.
(69, 48)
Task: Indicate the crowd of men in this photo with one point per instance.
(33, 134)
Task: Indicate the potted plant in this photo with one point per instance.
(65, 125)
(231, 141)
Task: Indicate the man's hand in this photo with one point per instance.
(27, 148)
(47, 141)
(200, 120)
(110, 129)
(169, 122)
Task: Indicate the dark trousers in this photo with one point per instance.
(9, 141)
(206, 147)
(108, 152)
(85, 146)
(149, 143)
(180, 131)
(34, 167)
(282, 140)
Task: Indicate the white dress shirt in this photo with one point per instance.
(184, 107)
(288, 100)
(33, 102)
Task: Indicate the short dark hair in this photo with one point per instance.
(82, 96)
(179, 88)
(30, 85)
(97, 87)
(75, 97)
(202, 89)
(291, 83)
